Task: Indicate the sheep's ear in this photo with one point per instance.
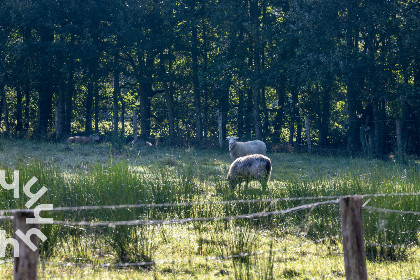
(236, 138)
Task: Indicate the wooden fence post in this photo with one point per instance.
(26, 263)
(353, 242)
(308, 134)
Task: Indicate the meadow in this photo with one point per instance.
(190, 183)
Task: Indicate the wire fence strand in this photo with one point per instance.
(189, 220)
(153, 205)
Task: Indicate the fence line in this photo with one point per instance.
(188, 220)
(412, 244)
(383, 210)
(150, 205)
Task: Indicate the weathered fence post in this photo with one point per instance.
(220, 121)
(353, 242)
(26, 263)
(308, 134)
(135, 126)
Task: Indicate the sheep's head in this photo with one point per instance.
(232, 142)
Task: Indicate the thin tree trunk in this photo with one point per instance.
(69, 99)
(196, 87)
(5, 108)
(265, 112)
(280, 110)
(325, 116)
(241, 111)
(45, 83)
(169, 100)
(27, 106)
(254, 15)
(380, 116)
(116, 93)
(223, 108)
(205, 89)
(59, 127)
(146, 92)
(249, 115)
(294, 115)
(89, 101)
(19, 122)
(96, 107)
(169, 107)
(122, 117)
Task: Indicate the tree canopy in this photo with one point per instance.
(250, 68)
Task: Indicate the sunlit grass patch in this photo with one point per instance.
(299, 245)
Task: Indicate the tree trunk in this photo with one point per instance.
(249, 115)
(5, 108)
(19, 122)
(254, 15)
(169, 107)
(293, 115)
(60, 118)
(45, 83)
(116, 92)
(69, 99)
(96, 107)
(325, 116)
(122, 117)
(241, 112)
(223, 108)
(205, 89)
(146, 92)
(27, 106)
(169, 98)
(299, 131)
(196, 87)
(281, 88)
(380, 116)
(89, 101)
(265, 112)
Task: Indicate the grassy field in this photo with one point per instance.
(299, 245)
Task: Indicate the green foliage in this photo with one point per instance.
(178, 63)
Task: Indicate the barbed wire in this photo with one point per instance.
(152, 205)
(410, 245)
(383, 210)
(188, 220)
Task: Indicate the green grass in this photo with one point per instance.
(78, 175)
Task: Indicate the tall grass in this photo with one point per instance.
(98, 175)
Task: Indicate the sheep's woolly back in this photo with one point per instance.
(240, 149)
(83, 139)
(251, 167)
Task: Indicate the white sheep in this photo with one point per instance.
(240, 149)
(250, 167)
(84, 139)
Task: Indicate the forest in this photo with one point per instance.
(197, 70)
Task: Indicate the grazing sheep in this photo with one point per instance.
(84, 139)
(240, 149)
(141, 143)
(250, 167)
